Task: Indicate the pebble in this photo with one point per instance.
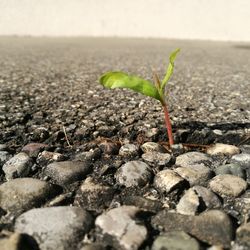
(91, 155)
(109, 147)
(121, 226)
(24, 193)
(67, 172)
(210, 199)
(197, 199)
(93, 195)
(195, 174)
(47, 156)
(94, 246)
(3, 147)
(188, 203)
(167, 180)
(233, 169)
(33, 149)
(129, 150)
(177, 240)
(17, 166)
(17, 241)
(133, 173)
(228, 185)
(224, 149)
(243, 235)
(161, 159)
(152, 146)
(213, 227)
(55, 227)
(4, 156)
(191, 158)
(242, 159)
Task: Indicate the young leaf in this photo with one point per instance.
(122, 80)
(170, 69)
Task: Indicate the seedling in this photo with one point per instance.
(157, 90)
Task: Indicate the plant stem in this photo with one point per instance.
(168, 124)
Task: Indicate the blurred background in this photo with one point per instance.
(223, 20)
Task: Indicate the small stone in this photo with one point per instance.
(195, 174)
(213, 227)
(161, 159)
(243, 235)
(245, 149)
(228, 185)
(133, 173)
(152, 146)
(233, 169)
(24, 193)
(177, 240)
(109, 147)
(177, 149)
(17, 241)
(242, 159)
(67, 172)
(17, 166)
(192, 158)
(33, 149)
(224, 149)
(188, 203)
(209, 198)
(55, 227)
(167, 180)
(4, 156)
(94, 246)
(91, 155)
(129, 150)
(47, 156)
(121, 226)
(93, 195)
(3, 147)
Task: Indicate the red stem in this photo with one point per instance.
(168, 124)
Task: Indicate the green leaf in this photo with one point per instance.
(122, 80)
(170, 69)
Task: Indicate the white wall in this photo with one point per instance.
(191, 19)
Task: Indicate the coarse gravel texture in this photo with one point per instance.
(82, 167)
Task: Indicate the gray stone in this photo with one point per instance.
(233, 169)
(4, 156)
(167, 180)
(17, 166)
(228, 185)
(152, 146)
(209, 198)
(120, 224)
(3, 147)
(213, 227)
(67, 172)
(93, 195)
(16, 241)
(192, 158)
(176, 240)
(161, 159)
(243, 235)
(188, 203)
(55, 227)
(242, 159)
(33, 149)
(48, 157)
(91, 155)
(24, 193)
(195, 174)
(129, 150)
(223, 149)
(133, 173)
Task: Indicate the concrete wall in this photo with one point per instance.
(185, 19)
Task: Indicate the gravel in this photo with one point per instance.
(82, 156)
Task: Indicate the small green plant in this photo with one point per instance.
(157, 90)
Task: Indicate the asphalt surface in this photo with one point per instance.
(210, 83)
